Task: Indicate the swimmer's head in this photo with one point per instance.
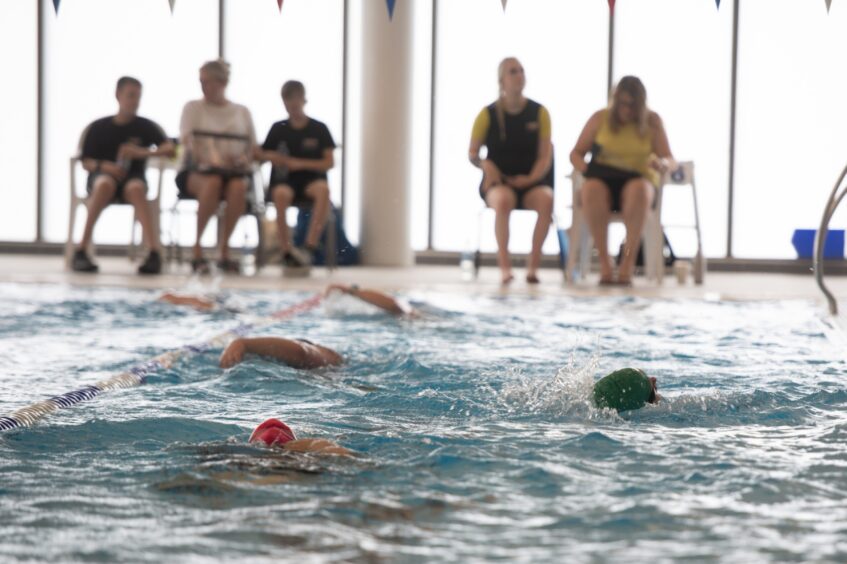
(654, 392)
(272, 432)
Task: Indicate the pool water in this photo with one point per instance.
(474, 431)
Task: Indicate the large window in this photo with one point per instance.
(18, 132)
(791, 142)
(564, 49)
(88, 47)
(683, 53)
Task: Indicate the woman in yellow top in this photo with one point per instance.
(629, 151)
(518, 168)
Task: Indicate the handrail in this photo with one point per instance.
(820, 238)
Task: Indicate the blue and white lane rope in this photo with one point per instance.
(137, 375)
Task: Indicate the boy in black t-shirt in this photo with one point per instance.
(114, 152)
(301, 150)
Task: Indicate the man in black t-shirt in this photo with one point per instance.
(114, 152)
(301, 150)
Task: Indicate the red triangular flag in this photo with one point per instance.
(279, 3)
(828, 5)
(504, 4)
(390, 8)
(172, 3)
(56, 6)
(611, 5)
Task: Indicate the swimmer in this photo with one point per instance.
(275, 433)
(374, 297)
(625, 389)
(298, 353)
(202, 304)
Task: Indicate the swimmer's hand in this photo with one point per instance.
(336, 288)
(233, 354)
(317, 446)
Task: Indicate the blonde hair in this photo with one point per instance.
(218, 68)
(632, 86)
(498, 105)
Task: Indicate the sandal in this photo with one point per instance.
(200, 266)
(532, 279)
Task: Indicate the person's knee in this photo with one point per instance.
(135, 191)
(104, 187)
(318, 191)
(594, 194)
(501, 201)
(637, 194)
(282, 196)
(542, 201)
(236, 191)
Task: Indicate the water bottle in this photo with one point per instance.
(466, 265)
(281, 172)
(248, 258)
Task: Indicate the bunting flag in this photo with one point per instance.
(504, 4)
(172, 3)
(828, 5)
(718, 2)
(612, 6)
(56, 6)
(390, 8)
(279, 3)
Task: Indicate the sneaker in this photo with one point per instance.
(152, 264)
(81, 262)
(297, 258)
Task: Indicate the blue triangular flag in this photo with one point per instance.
(56, 6)
(718, 2)
(390, 8)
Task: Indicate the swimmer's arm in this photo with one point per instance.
(373, 297)
(318, 446)
(292, 353)
(191, 301)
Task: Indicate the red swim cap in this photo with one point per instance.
(272, 432)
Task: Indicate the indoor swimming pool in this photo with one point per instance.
(473, 427)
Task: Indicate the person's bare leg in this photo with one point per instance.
(596, 207)
(236, 205)
(101, 195)
(318, 191)
(502, 200)
(135, 192)
(207, 190)
(636, 199)
(283, 196)
(539, 200)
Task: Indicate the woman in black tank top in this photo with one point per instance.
(518, 168)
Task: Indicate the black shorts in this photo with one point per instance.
(297, 186)
(519, 194)
(615, 179)
(121, 185)
(182, 180)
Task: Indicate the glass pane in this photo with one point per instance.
(18, 139)
(682, 51)
(563, 47)
(791, 145)
(88, 47)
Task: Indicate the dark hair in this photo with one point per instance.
(126, 80)
(291, 88)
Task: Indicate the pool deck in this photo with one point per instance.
(120, 272)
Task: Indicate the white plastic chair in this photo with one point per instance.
(581, 242)
(684, 176)
(81, 199)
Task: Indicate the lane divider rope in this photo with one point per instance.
(137, 375)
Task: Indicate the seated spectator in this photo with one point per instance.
(217, 169)
(301, 151)
(518, 170)
(114, 152)
(629, 150)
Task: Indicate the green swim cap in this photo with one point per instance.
(624, 389)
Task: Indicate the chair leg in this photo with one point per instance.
(69, 244)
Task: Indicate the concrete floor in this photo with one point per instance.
(120, 272)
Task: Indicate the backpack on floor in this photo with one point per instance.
(345, 253)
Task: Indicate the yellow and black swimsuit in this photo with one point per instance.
(513, 144)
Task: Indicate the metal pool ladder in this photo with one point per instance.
(834, 199)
